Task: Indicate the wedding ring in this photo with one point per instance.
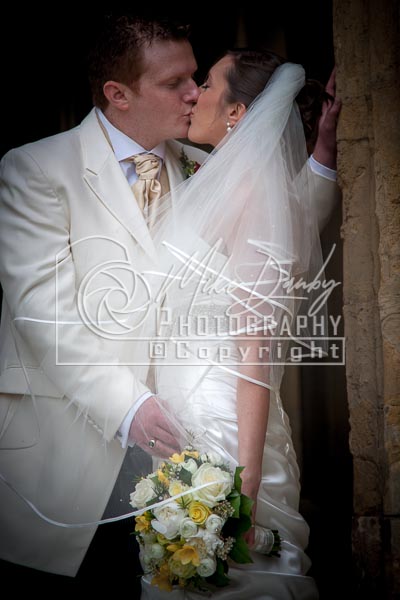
(152, 443)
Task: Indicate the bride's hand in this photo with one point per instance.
(249, 536)
(250, 486)
(325, 146)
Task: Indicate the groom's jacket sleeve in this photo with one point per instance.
(34, 236)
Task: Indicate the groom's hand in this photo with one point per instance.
(325, 147)
(150, 426)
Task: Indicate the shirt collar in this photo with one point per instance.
(124, 146)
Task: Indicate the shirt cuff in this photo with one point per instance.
(319, 169)
(123, 431)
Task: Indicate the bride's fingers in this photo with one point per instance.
(249, 537)
(331, 85)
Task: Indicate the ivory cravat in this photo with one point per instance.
(147, 188)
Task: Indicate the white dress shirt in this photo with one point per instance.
(124, 147)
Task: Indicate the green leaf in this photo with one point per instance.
(152, 501)
(240, 552)
(233, 494)
(238, 479)
(185, 476)
(233, 497)
(246, 505)
(235, 502)
(242, 525)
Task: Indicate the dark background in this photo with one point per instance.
(45, 91)
(44, 74)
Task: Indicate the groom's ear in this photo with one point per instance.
(116, 94)
(236, 112)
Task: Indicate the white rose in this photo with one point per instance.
(207, 567)
(144, 491)
(215, 492)
(156, 551)
(187, 528)
(212, 457)
(190, 465)
(168, 519)
(214, 524)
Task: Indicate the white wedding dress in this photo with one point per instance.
(203, 397)
(242, 218)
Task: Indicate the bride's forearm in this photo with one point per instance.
(252, 411)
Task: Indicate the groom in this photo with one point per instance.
(69, 203)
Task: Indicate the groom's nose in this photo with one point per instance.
(192, 92)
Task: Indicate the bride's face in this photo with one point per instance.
(211, 113)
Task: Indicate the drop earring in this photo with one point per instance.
(228, 127)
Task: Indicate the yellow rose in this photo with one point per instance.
(198, 512)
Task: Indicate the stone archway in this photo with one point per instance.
(367, 49)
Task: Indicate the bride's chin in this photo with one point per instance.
(192, 136)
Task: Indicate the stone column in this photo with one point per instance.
(367, 51)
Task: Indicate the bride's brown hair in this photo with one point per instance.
(251, 72)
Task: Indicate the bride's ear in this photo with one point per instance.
(236, 112)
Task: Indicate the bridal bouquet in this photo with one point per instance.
(194, 517)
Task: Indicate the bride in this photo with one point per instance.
(235, 239)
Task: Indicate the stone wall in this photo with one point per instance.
(367, 52)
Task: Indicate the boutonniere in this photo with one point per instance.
(189, 166)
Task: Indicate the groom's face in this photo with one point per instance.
(162, 99)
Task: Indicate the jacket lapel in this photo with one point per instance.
(173, 164)
(104, 177)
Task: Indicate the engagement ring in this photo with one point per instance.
(152, 443)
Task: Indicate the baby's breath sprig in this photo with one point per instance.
(224, 509)
(224, 550)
